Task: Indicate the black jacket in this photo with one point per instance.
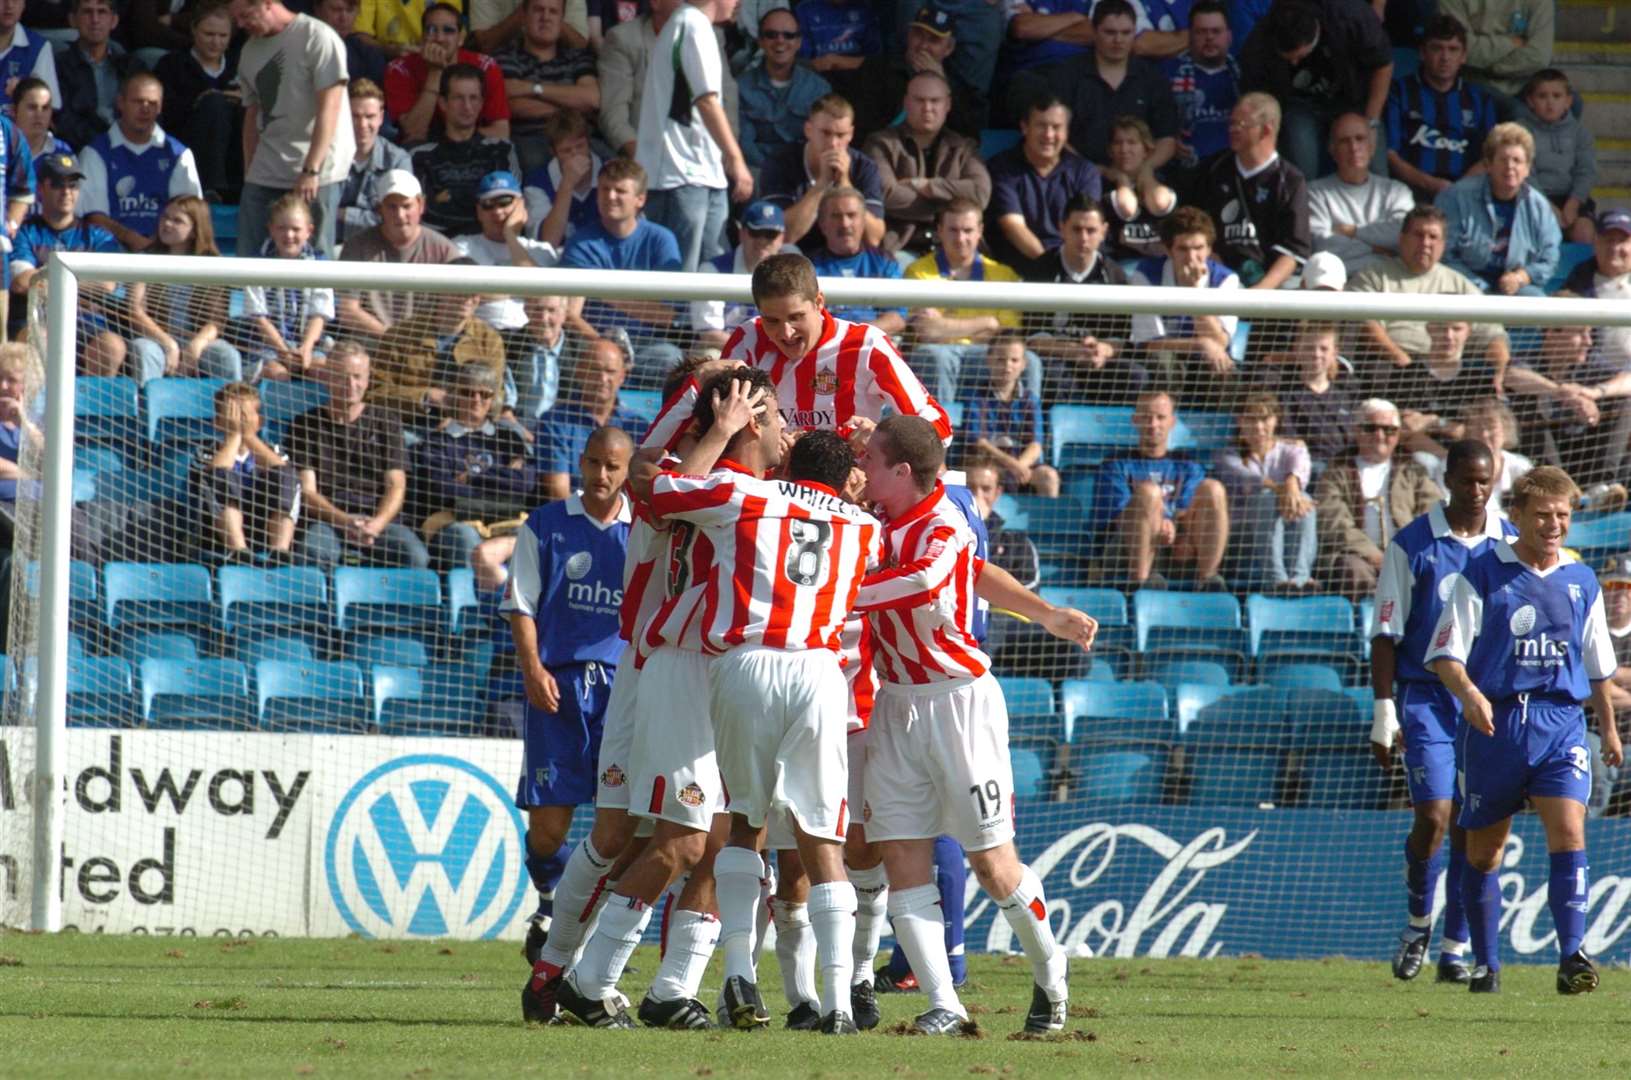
(77, 122)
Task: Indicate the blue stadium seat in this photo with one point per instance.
(1120, 777)
(1055, 526)
(96, 462)
(181, 409)
(159, 645)
(1101, 669)
(207, 694)
(106, 409)
(1124, 712)
(1032, 712)
(252, 648)
(101, 692)
(1087, 434)
(1305, 677)
(164, 479)
(1190, 698)
(1108, 606)
(156, 594)
(1174, 673)
(386, 599)
(1336, 770)
(281, 402)
(1364, 613)
(312, 697)
(1303, 623)
(646, 403)
(1236, 749)
(1030, 774)
(465, 612)
(1570, 256)
(255, 598)
(1597, 535)
(1190, 625)
(410, 701)
(391, 650)
(994, 141)
(84, 593)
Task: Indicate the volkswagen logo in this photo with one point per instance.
(426, 846)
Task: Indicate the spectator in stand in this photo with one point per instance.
(952, 342)
(353, 472)
(1607, 275)
(1205, 82)
(285, 326)
(1033, 182)
(249, 492)
(1571, 395)
(1003, 422)
(24, 55)
(1565, 168)
(93, 68)
(1112, 84)
(1436, 120)
(502, 241)
(292, 73)
(1433, 392)
(1319, 59)
(544, 76)
(622, 71)
(202, 104)
(1500, 231)
(1366, 498)
(843, 43)
(134, 168)
(1417, 269)
(1084, 355)
(495, 23)
(1157, 511)
(453, 162)
(623, 240)
(1489, 421)
(363, 58)
(1355, 213)
(932, 47)
(1138, 202)
(400, 237)
(17, 185)
(1009, 548)
(564, 430)
(763, 230)
(31, 102)
(533, 381)
(396, 27)
(1259, 197)
(575, 169)
(416, 81)
(56, 226)
(414, 356)
(845, 253)
(182, 327)
(776, 90)
(473, 472)
(1507, 41)
(1266, 477)
(1047, 32)
(799, 179)
(375, 156)
(1198, 341)
(924, 167)
(1319, 410)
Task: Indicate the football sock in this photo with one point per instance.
(668, 903)
(761, 914)
(1027, 913)
(795, 951)
(736, 880)
(1481, 894)
(871, 909)
(951, 878)
(622, 922)
(691, 937)
(1453, 941)
(1421, 879)
(1566, 894)
(832, 914)
(921, 932)
(581, 888)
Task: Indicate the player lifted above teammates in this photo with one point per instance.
(1521, 643)
(1422, 564)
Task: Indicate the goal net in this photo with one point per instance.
(258, 681)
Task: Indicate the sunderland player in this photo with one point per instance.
(562, 602)
(937, 753)
(1422, 564)
(1521, 643)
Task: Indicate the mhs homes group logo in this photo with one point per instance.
(426, 846)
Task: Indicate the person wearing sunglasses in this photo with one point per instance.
(1366, 498)
(414, 83)
(777, 91)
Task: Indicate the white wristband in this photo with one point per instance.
(1384, 723)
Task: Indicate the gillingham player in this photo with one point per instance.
(1521, 643)
(937, 750)
(1422, 564)
(564, 590)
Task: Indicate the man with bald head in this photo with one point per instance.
(588, 402)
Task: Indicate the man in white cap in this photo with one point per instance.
(1324, 271)
(398, 238)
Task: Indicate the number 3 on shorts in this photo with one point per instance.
(988, 798)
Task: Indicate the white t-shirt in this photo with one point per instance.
(504, 312)
(677, 154)
(1373, 487)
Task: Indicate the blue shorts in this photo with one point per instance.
(1537, 750)
(1428, 717)
(561, 750)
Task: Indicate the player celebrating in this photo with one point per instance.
(562, 602)
(1521, 643)
(1422, 564)
(937, 753)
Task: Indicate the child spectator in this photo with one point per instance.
(1319, 409)
(1004, 424)
(1009, 548)
(202, 104)
(288, 323)
(182, 326)
(248, 488)
(1139, 202)
(1267, 479)
(1565, 166)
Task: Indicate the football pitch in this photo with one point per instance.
(89, 1005)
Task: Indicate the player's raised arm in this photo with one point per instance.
(1001, 589)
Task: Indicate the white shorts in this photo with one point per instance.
(937, 762)
(780, 723)
(617, 735)
(674, 774)
(857, 740)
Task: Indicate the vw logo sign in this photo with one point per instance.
(426, 846)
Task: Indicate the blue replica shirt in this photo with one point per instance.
(568, 576)
(564, 431)
(1032, 54)
(138, 182)
(31, 248)
(584, 212)
(961, 497)
(838, 29)
(17, 173)
(1440, 133)
(649, 247)
(11, 444)
(1519, 630)
(1422, 564)
(867, 263)
(1010, 426)
(1206, 97)
(1176, 476)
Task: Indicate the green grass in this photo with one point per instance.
(96, 1006)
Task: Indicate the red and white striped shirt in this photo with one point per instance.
(855, 654)
(788, 559)
(660, 563)
(675, 418)
(922, 606)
